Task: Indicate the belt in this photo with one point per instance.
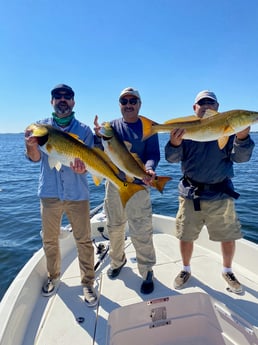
(197, 188)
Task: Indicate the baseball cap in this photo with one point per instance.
(205, 94)
(129, 91)
(62, 87)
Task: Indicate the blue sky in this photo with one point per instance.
(169, 50)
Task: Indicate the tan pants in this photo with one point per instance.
(77, 212)
(138, 212)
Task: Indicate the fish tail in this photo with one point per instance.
(128, 190)
(160, 182)
(147, 127)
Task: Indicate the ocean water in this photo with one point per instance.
(20, 223)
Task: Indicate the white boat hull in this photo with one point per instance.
(28, 318)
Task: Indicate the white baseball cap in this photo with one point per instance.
(129, 91)
(205, 94)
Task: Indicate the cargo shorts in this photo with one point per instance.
(219, 216)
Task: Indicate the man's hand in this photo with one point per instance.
(243, 134)
(97, 126)
(29, 140)
(149, 179)
(78, 166)
(176, 136)
(32, 149)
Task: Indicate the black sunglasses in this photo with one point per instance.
(207, 101)
(131, 101)
(60, 96)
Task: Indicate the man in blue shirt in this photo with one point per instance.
(65, 191)
(206, 192)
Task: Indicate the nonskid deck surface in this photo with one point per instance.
(68, 320)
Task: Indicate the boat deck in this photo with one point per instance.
(61, 326)
(65, 319)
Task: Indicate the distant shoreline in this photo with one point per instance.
(23, 133)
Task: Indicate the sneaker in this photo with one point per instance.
(233, 283)
(90, 296)
(50, 287)
(181, 279)
(148, 285)
(114, 272)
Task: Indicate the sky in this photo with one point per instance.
(167, 49)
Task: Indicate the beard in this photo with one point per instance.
(63, 109)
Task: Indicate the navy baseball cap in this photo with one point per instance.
(62, 87)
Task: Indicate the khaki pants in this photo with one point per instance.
(77, 212)
(138, 212)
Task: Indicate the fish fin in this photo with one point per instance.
(191, 118)
(58, 166)
(97, 180)
(128, 190)
(53, 163)
(160, 182)
(222, 142)
(209, 113)
(147, 119)
(147, 127)
(128, 145)
(228, 130)
(75, 136)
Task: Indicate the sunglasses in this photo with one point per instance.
(131, 101)
(65, 96)
(207, 101)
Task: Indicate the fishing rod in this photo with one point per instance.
(102, 249)
(96, 210)
(102, 257)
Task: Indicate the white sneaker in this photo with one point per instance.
(50, 287)
(90, 296)
(233, 283)
(181, 279)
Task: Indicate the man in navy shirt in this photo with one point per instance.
(138, 211)
(206, 192)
